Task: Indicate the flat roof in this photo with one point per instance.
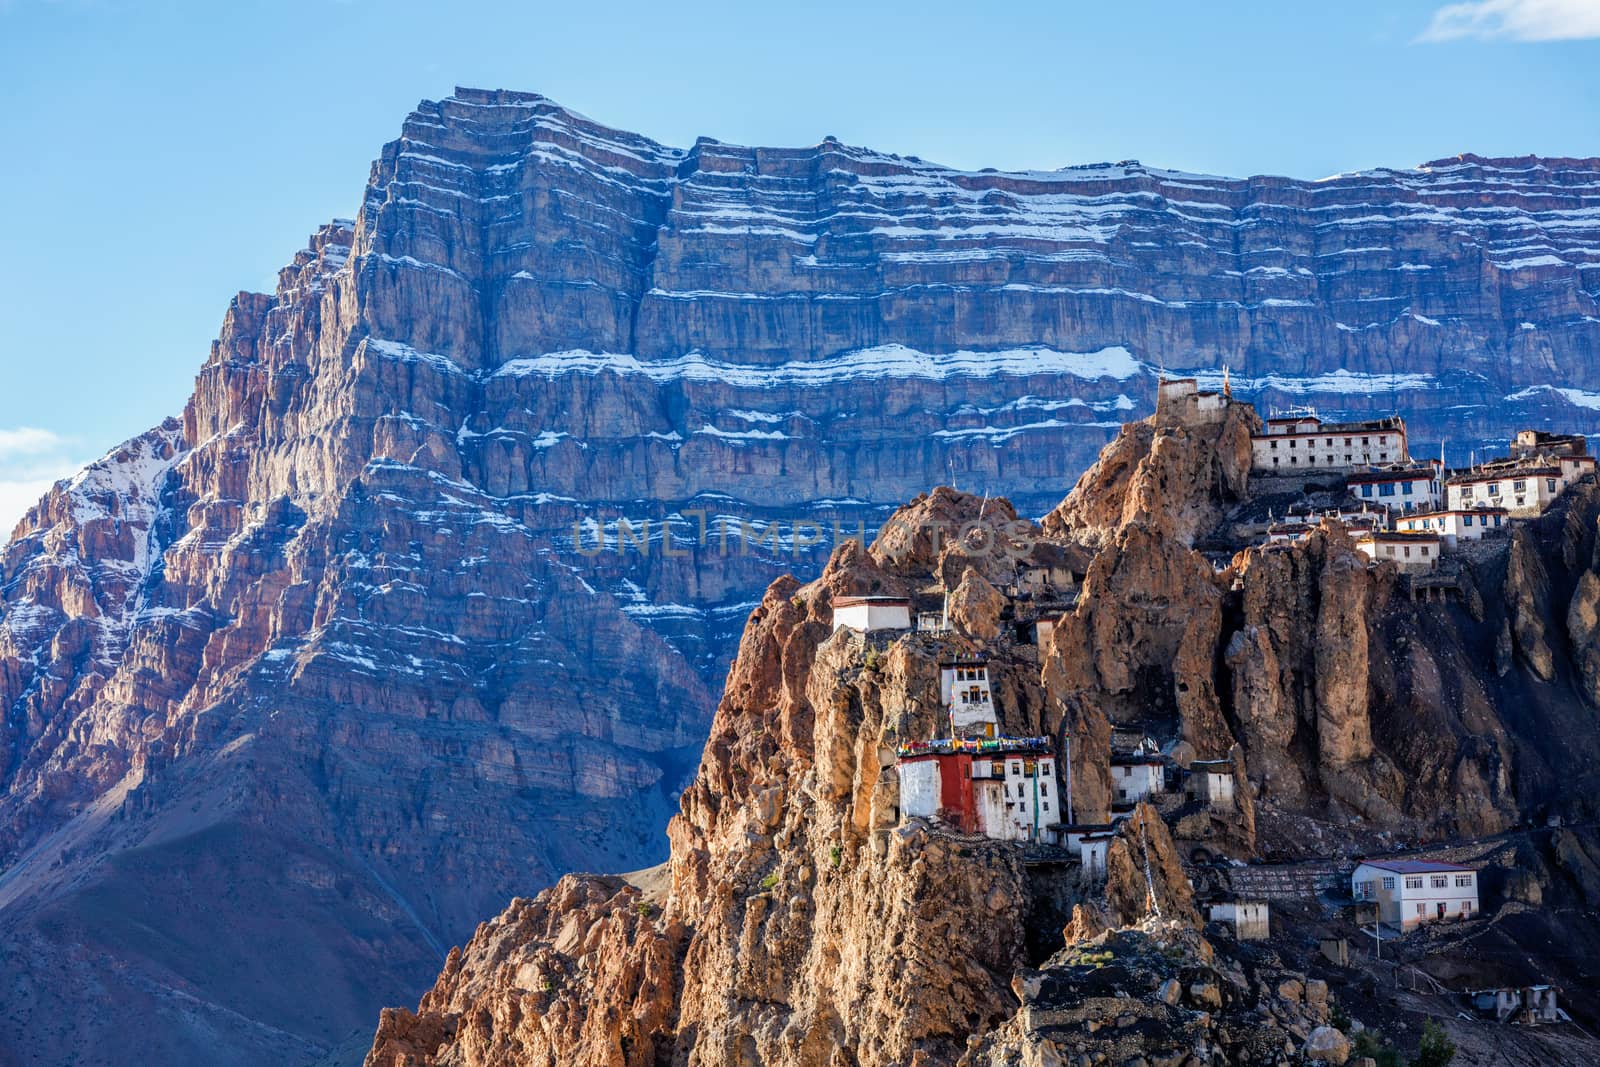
(1450, 511)
(1410, 474)
(1387, 423)
(1501, 475)
(1416, 866)
(853, 601)
(1211, 764)
(1400, 537)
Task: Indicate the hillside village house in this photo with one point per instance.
(1044, 628)
(1532, 442)
(1251, 920)
(1212, 782)
(1453, 527)
(1413, 553)
(1523, 489)
(1303, 442)
(867, 613)
(933, 615)
(1137, 776)
(1410, 892)
(1397, 489)
(1283, 533)
(1092, 849)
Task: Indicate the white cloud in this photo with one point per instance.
(28, 441)
(17, 495)
(1515, 20)
(31, 460)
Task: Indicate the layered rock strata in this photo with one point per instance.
(325, 662)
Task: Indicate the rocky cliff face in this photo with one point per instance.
(1346, 696)
(325, 664)
(798, 923)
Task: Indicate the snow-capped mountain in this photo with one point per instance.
(422, 600)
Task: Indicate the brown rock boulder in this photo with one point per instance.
(975, 607)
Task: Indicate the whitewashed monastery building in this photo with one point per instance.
(1301, 442)
(867, 613)
(976, 780)
(1401, 489)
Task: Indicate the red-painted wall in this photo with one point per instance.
(955, 791)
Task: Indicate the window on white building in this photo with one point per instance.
(1463, 881)
(1439, 881)
(1388, 883)
(1413, 883)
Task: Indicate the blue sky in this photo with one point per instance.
(161, 156)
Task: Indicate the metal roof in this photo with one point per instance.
(1416, 866)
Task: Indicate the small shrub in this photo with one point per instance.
(836, 855)
(1436, 1049)
(548, 986)
(874, 660)
(1339, 1018)
(797, 601)
(645, 909)
(770, 880)
(1370, 1043)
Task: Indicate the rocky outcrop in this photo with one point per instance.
(811, 921)
(1299, 661)
(801, 922)
(1172, 473)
